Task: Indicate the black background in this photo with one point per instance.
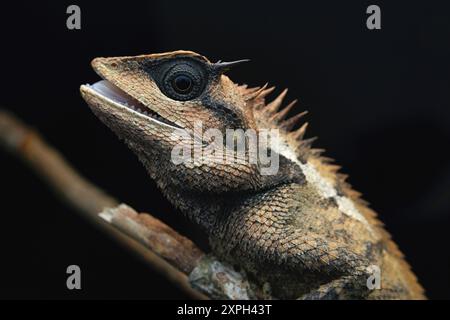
(378, 100)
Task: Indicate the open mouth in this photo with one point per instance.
(107, 90)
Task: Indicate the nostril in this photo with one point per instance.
(96, 62)
(100, 62)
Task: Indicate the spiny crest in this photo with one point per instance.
(273, 115)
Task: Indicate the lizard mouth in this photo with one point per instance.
(106, 89)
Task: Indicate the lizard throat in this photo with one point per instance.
(114, 93)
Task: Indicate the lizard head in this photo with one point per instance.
(166, 91)
(154, 103)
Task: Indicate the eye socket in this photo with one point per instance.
(183, 80)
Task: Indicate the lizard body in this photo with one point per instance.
(302, 230)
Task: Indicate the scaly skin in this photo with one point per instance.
(303, 230)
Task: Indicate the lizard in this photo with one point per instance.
(302, 231)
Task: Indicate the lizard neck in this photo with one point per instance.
(211, 211)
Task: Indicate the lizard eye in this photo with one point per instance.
(183, 81)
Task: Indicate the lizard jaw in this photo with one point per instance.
(113, 95)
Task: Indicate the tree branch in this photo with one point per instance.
(171, 254)
(92, 203)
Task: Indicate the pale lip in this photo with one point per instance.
(111, 94)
